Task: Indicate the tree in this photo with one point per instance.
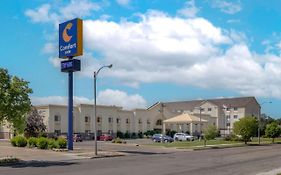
(14, 100)
(264, 120)
(210, 132)
(246, 127)
(34, 124)
(272, 130)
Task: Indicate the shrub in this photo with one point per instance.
(117, 140)
(62, 142)
(232, 137)
(21, 141)
(32, 142)
(42, 143)
(43, 134)
(134, 135)
(127, 135)
(13, 141)
(140, 135)
(52, 143)
(120, 134)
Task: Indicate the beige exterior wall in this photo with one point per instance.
(113, 119)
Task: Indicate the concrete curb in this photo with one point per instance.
(8, 161)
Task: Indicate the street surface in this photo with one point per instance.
(244, 160)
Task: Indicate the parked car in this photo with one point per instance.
(106, 137)
(182, 137)
(158, 138)
(77, 138)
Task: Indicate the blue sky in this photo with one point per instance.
(161, 50)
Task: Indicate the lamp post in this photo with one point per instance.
(95, 105)
(259, 120)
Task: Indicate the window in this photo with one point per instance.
(117, 120)
(227, 124)
(87, 119)
(99, 119)
(159, 122)
(148, 122)
(235, 108)
(109, 119)
(127, 120)
(227, 109)
(202, 109)
(228, 117)
(235, 116)
(140, 122)
(57, 118)
(209, 109)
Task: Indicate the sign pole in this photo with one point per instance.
(70, 45)
(70, 111)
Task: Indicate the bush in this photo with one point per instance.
(62, 142)
(120, 134)
(117, 140)
(32, 142)
(43, 134)
(233, 137)
(21, 141)
(127, 135)
(52, 143)
(134, 135)
(140, 135)
(42, 143)
(13, 141)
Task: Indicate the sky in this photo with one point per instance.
(161, 50)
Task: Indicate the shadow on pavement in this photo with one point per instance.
(141, 152)
(24, 164)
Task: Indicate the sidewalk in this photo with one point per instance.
(34, 154)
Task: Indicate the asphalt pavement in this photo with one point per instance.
(241, 161)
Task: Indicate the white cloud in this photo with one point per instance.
(78, 8)
(107, 97)
(41, 14)
(176, 50)
(121, 98)
(190, 10)
(61, 12)
(123, 2)
(226, 6)
(49, 48)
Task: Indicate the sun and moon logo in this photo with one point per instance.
(65, 35)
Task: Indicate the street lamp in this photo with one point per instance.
(259, 120)
(95, 106)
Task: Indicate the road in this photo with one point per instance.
(244, 160)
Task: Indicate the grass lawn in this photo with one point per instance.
(212, 143)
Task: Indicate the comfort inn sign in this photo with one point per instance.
(70, 38)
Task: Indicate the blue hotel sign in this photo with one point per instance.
(71, 38)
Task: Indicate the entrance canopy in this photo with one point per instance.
(184, 118)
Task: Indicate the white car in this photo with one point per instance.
(183, 137)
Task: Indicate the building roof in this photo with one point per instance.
(190, 105)
(234, 102)
(184, 118)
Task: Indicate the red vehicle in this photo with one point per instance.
(106, 137)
